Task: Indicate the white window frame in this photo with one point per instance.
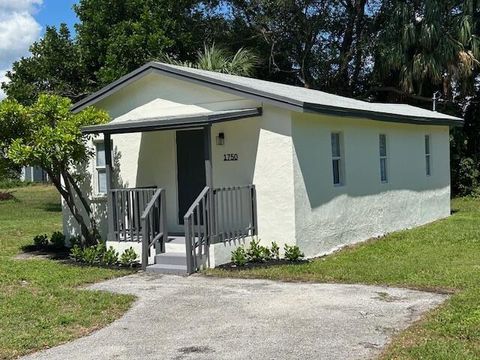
(100, 169)
(383, 158)
(428, 154)
(338, 158)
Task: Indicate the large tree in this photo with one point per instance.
(48, 134)
(116, 37)
(427, 46)
(53, 67)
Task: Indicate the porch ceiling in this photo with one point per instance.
(171, 121)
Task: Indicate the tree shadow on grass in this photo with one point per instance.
(51, 207)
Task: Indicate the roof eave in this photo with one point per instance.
(173, 122)
(373, 115)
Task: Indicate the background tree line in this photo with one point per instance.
(374, 50)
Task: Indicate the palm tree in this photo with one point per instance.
(428, 45)
(217, 59)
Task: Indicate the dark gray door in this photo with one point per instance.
(190, 168)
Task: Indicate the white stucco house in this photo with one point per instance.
(194, 163)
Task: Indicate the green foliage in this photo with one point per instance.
(76, 254)
(239, 256)
(58, 240)
(275, 251)
(14, 183)
(55, 66)
(110, 257)
(293, 253)
(256, 252)
(47, 134)
(91, 255)
(40, 241)
(466, 177)
(45, 303)
(129, 258)
(218, 59)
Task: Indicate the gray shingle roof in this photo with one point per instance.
(296, 98)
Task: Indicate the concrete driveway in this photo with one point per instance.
(208, 318)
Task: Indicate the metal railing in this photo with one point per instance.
(127, 208)
(198, 226)
(218, 215)
(236, 212)
(154, 226)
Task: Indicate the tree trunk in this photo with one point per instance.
(88, 236)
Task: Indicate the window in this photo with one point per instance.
(337, 162)
(100, 167)
(382, 142)
(428, 166)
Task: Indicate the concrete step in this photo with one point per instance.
(167, 269)
(175, 244)
(171, 258)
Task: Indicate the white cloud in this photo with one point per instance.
(3, 78)
(18, 30)
(19, 5)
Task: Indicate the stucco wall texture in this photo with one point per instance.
(288, 156)
(328, 216)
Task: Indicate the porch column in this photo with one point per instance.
(108, 173)
(207, 131)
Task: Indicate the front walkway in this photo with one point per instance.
(209, 318)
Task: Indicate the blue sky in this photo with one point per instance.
(54, 12)
(24, 21)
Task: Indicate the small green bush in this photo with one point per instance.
(239, 256)
(58, 240)
(93, 255)
(293, 253)
(257, 252)
(129, 257)
(90, 255)
(76, 254)
(40, 241)
(275, 251)
(110, 257)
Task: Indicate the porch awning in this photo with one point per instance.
(171, 121)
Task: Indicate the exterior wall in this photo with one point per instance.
(329, 217)
(265, 158)
(33, 174)
(149, 159)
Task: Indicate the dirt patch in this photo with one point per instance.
(5, 196)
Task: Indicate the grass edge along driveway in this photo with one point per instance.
(441, 256)
(41, 304)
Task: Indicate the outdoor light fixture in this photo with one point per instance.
(221, 138)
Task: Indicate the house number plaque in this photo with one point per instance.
(230, 157)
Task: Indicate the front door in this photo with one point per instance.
(190, 168)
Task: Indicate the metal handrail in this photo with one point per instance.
(154, 226)
(198, 229)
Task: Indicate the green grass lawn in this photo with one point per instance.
(443, 256)
(40, 302)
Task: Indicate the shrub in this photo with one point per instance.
(93, 255)
(239, 256)
(466, 177)
(293, 253)
(90, 255)
(58, 240)
(40, 241)
(275, 251)
(257, 252)
(75, 240)
(76, 254)
(110, 257)
(129, 257)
